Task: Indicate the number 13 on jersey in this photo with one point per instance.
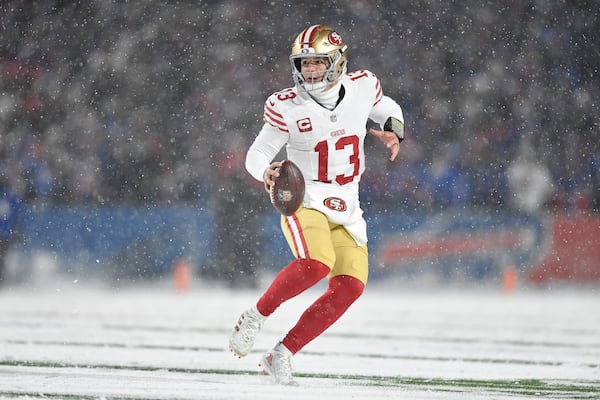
(324, 149)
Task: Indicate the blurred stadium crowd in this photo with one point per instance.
(112, 101)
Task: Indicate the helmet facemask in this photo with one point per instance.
(319, 41)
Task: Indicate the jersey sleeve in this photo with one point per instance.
(385, 109)
(270, 140)
(378, 92)
(272, 116)
(387, 113)
(368, 84)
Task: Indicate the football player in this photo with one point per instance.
(322, 123)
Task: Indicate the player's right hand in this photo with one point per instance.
(271, 174)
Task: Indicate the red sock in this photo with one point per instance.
(343, 291)
(292, 280)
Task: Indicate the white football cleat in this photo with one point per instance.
(244, 333)
(278, 364)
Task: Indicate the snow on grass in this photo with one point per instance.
(72, 341)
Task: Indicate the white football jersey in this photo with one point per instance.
(327, 145)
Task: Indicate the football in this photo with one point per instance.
(288, 192)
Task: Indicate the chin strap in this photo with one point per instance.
(395, 125)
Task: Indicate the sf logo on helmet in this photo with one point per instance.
(335, 38)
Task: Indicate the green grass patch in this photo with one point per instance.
(525, 387)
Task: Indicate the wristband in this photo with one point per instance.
(395, 125)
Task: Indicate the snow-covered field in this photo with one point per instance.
(69, 341)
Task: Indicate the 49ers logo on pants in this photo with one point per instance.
(335, 204)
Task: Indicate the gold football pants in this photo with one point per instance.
(310, 235)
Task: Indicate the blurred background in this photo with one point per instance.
(124, 126)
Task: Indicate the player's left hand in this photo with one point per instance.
(389, 139)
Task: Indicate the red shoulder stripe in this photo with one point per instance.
(274, 119)
(379, 94)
